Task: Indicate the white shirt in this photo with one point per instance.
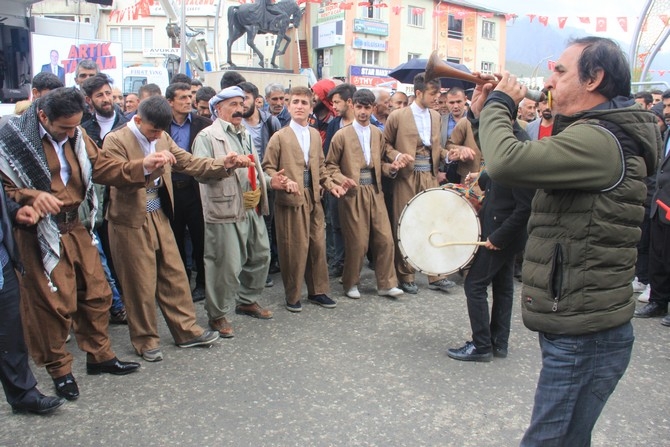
(105, 123)
(54, 69)
(363, 133)
(667, 148)
(65, 169)
(148, 147)
(302, 134)
(423, 124)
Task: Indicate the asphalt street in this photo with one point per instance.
(372, 372)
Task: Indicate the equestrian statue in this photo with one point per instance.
(263, 17)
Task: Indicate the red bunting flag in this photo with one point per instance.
(396, 9)
(509, 17)
(551, 65)
(531, 17)
(438, 12)
(544, 20)
(623, 23)
(417, 11)
(346, 5)
(664, 19)
(601, 25)
(364, 4)
(585, 20)
(561, 22)
(661, 72)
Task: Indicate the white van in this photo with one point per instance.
(136, 77)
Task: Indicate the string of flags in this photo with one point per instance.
(141, 9)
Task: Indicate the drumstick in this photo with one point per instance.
(448, 244)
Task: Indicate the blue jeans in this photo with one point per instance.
(579, 373)
(117, 304)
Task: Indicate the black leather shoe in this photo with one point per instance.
(113, 366)
(651, 310)
(66, 387)
(666, 320)
(499, 352)
(38, 404)
(469, 353)
(198, 294)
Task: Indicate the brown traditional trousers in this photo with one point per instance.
(83, 297)
(364, 221)
(150, 270)
(404, 189)
(301, 243)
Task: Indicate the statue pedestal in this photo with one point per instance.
(260, 77)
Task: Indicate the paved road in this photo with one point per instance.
(372, 372)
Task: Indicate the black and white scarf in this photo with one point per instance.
(23, 161)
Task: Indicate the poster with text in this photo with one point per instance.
(60, 56)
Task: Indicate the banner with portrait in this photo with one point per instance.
(60, 56)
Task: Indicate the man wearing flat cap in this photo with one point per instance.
(237, 251)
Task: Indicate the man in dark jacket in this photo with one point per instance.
(659, 232)
(504, 215)
(186, 124)
(261, 125)
(580, 257)
(17, 379)
(106, 117)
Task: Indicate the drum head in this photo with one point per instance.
(434, 217)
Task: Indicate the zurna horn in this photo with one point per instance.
(437, 68)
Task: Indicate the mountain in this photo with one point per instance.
(531, 44)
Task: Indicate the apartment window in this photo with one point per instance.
(455, 28)
(488, 30)
(369, 12)
(370, 57)
(415, 16)
(488, 67)
(133, 38)
(411, 56)
(269, 40)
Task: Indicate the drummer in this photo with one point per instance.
(415, 131)
(356, 161)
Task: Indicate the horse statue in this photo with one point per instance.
(263, 17)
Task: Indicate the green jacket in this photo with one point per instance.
(584, 226)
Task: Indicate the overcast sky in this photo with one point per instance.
(567, 7)
(611, 9)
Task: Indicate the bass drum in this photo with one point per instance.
(430, 223)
